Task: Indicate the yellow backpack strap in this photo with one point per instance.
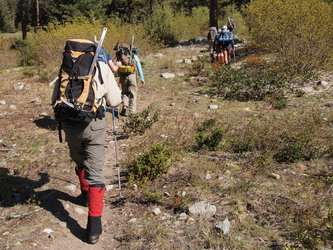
(63, 84)
(84, 95)
(96, 105)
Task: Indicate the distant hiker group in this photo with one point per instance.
(85, 88)
(221, 42)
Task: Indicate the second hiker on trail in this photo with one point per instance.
(128, 58)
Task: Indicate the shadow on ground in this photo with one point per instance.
(16, 190)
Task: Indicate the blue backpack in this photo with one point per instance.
(226, 36)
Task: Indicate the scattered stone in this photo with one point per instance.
(172, 104)
(37, 100)
(133, 220)
(12, 106)
(179, 61)
(159, 55)
(48, 230)
(5, 233)
(223, 226)
(71, 188)
(194, 58)
(168, 75)
(213, 106)
(323, 84)
(208, 177)
(167, 194)
(1, 141)
(108, 187)
(180, 74)
(62, 223)
(183, 216)
(202, 208)
(196, 115)
(2, 102)
(274, 176)
(79, 210)
(17, 243)
(164, 136)
(329, 104)
(19, 86)
(156, 211)
(43, 114)
(190, 221)
(187, 61)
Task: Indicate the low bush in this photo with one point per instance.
(140, 122)
(247, 83)
(151, 164)
(209, 140)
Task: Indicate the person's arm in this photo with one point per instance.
(114, 67)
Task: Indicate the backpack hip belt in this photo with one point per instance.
(127, 69)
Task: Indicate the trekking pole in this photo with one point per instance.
(116, 151)
(233, 41)
(131, 51)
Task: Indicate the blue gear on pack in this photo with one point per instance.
(226, 36)
(103, 56)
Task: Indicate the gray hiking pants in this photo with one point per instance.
(86, 146)
(129, 91)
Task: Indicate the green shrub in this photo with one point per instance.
(50, 42)
(248, 83)
(278, 100)
(170, 27)
(301, 39)
(209, 140)
(292, 148)
(151, 164)
(240, 146)
(206, 124)
(138, 123)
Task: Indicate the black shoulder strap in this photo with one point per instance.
(100, 73)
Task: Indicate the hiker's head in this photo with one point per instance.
(224, 27)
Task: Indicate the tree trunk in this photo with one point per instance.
(23, 12)
(213, 22)
(151, 7)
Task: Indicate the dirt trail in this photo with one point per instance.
(60, 214)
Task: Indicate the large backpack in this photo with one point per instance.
(211, 33)
(125, 56)
(226, 37)
(76, 100)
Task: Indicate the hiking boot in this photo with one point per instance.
(96, 204)
(124, 111)
(94, 229)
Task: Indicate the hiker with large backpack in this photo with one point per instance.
(130, 63)
(83, 91)
(211, 37)
(223, 43)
